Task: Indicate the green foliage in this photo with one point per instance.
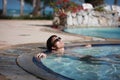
(48, 2)
(67, 5)
(5, 17)
(100, 9)
(28, 1)
(95, 2)
(27, 17)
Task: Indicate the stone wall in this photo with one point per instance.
(92, 18)
(88, 17)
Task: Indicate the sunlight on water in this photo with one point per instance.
(97, 32)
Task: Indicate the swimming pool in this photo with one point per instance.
(97, 32)
(81, 70)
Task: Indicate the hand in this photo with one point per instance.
(88, 45)
(41, 55)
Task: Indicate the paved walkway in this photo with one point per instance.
(14, 32)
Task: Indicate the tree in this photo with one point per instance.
(36, 6)
(36, 10)
(95, 2)
(4, 7)
(34, 3)
(67, 5)
(52, 3)
(21, 7)
(115, 2)
(47, 3)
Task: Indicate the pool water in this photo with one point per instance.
(97, 32)
(81, 70)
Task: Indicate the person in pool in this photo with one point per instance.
(55, 45)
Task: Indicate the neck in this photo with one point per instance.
(59, 51)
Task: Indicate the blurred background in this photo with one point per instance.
(15, 8)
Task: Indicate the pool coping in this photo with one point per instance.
(25, 61)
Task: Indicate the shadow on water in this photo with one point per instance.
(107, 60)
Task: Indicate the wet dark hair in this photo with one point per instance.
(50, 43)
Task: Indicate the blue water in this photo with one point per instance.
(97, 32)
(80, 70)
(16, 12)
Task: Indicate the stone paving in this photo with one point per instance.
(14, 32)
(9, 69)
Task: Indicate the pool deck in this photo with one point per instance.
(16, 33)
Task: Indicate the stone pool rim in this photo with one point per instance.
(25, 61)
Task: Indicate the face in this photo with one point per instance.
(58, 43)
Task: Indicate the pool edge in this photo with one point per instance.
(25, 61)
